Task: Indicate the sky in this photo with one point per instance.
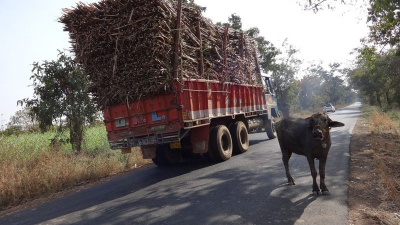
(30, 33)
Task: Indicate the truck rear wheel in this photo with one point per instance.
(220, 143)
(240, 137)
(270, 129)
(165, 156)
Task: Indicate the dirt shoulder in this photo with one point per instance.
(374, 183)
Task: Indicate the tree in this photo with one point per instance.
(321, 86)
(310, 88)
(191, 3)
(23, 118)
(235, 21)
(267, 51)
(283, 76)
(377, 75)
(60, 91)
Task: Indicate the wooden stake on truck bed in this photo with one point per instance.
(177, 41)
(224, 44)
(201, 60)
(258, 70)
(241, 45)
(241, 50)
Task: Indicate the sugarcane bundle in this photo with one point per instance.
(126, 48)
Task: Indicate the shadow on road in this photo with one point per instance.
(254, 142)
(154, 196)
(108, 191)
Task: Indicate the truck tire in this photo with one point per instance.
(165, 156)
(220, 143)
(270, 129)
(240, 137)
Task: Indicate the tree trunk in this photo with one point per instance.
(389, 102)
(76, 132)
(284, 108)
(371, 98)
(378, 98)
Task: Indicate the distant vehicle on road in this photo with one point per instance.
(329, 108)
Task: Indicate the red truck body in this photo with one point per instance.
(186, 112)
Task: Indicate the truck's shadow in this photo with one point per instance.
(254, 142)
(227, 196)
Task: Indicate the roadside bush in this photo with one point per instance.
(384, 122)
(13, 130)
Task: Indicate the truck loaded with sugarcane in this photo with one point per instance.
(170, 81)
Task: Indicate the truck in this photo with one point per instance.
(193, 89)
(199, 117)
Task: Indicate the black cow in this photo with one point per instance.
(309, 137)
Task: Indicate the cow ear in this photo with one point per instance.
(335, 124)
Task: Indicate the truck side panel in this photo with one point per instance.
(209, 99)
(167, 118)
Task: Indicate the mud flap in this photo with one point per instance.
(199, 138)
(200, 147)
(149, 151)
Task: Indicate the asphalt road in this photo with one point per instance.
(248, 189)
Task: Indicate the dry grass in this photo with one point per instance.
(374, 188)
(33, 169)
(387, 179)
(385, 144)
(382, 123)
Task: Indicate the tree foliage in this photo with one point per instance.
(267, 51)
(321, 85)
(194, 5)
(235, 21)
(283, 75)
(25, 119)
(317, 5)
(60, 94)
(377, 76)
(384, 16)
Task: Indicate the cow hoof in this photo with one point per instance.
(316, 193)
(291, 181)
(326, 193)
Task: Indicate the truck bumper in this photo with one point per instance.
(155, 139)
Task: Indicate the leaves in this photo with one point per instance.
(377, 75)
(235, 21)
(385, 18)
(60, 93)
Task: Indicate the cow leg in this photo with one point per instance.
(285, 158)
(324, 189)
(314, 174)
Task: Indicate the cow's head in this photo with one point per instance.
(320, 123)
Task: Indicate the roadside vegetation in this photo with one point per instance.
(33, 165)
(374, 184)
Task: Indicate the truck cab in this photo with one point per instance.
(270, 97)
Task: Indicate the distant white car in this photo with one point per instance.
(329, 108)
